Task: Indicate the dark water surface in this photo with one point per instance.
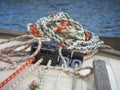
(99, 16)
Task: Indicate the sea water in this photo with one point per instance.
(99, 16)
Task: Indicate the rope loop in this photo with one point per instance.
(64, 30)
(60, 28)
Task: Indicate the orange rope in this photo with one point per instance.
(34, 30)
(16, 72)
(87, 54)
(64, 25)
(87, 35)
(52, 15)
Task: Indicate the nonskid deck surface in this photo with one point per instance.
(58, 80)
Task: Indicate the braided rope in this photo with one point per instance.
(14, 62)
(28, 62)
(17, 38)
(24, 75)
(60, 28)
(43, 76)
(72, 71)
(16, 72)
(35, 85)
(63, 59)
(71, 34)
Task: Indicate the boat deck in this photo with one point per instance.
(58, 80)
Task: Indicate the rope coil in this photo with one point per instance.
(60, 28)
(64, 30)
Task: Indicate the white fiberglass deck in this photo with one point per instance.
(57, 80)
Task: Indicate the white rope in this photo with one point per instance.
(73, 37)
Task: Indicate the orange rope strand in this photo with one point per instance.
(17, 72)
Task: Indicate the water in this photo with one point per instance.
(99, 16)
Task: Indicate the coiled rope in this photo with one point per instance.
(60, 28)
(64, 30)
